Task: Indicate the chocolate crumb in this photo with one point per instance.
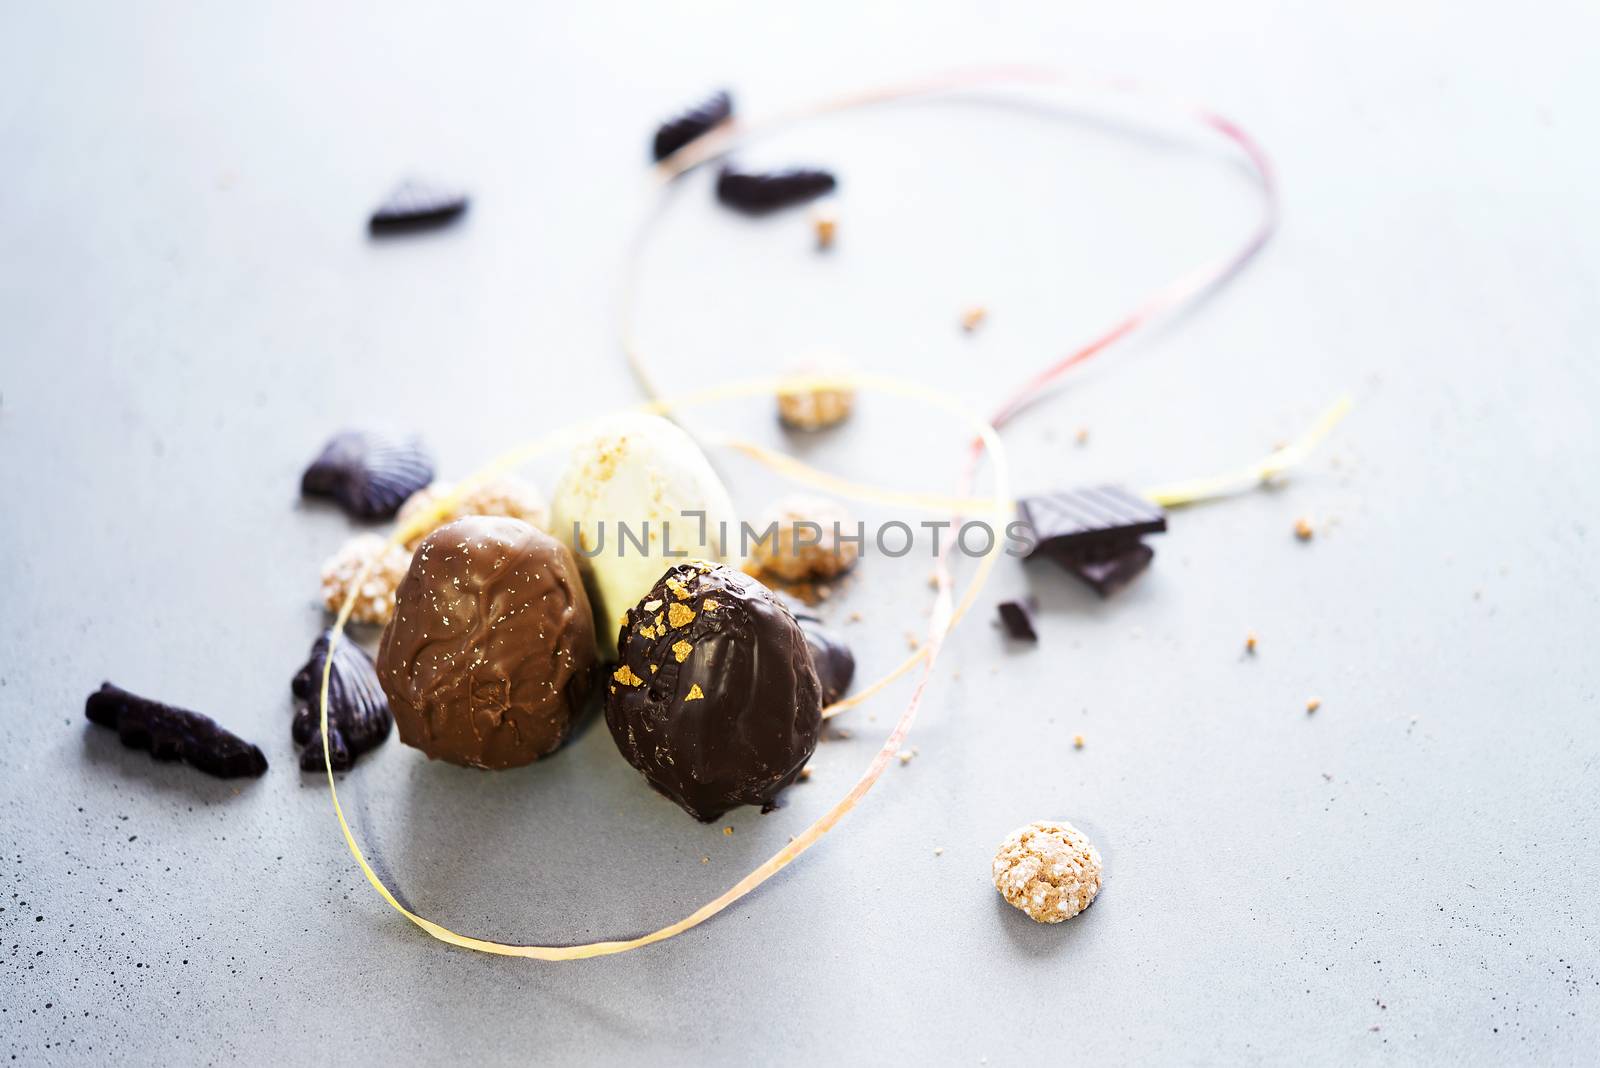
(1018, 621)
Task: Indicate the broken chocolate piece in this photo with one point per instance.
(370, 475)
(1092, 516)
(1109, 571)
(691, 125)
(835, 663)
(417, 206)
(1018, 621)
(758, 193)
(173, 733)
(358, 712)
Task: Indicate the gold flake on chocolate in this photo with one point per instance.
(695, 693)
(680, 615)
(708, 605)
(626, 676)
(681, 650)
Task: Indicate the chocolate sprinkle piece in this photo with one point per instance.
(1107, 572)
(835, 663)
(1018, 621)
(1092, 516)
(358, 712)
(174, 733)
(758, 193)
(417, 206)
(692, 124)
(368, 474)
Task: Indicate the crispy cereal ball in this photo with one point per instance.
(507, 496)
(816, 409)
(796, 554)
(1048, 870)
(376, 601)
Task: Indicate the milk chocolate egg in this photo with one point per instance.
(490, 654)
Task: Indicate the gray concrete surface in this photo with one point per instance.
(189, 304)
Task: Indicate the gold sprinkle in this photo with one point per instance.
(680, 615)
(1313, 704)
(1077, 741)
(695, 693)
(1082, 436)
(678, 589)
(938, 851)
(805, 773)
(973, 317)
(705, 860)
(681, 650)
(1250, 642)
(826, 224)
(1302, 529)
(623, 619)
(653, 669)
(625, 675)
(708, 605)
(727, 830)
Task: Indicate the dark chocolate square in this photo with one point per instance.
(1093, 516)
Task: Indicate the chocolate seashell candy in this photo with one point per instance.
(369, 475)
(715, 698)
(358, 713)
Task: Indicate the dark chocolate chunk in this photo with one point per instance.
(692, 124)
(174, 733)
(1096, 515)
(490, 656)
(835, 663)
(1018, 621)
(1110, 570)
(358, 712)
(370, 475)
(758, 193)
(417, 206)
(715, 698)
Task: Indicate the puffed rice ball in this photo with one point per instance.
(828, 556)
(507, 496)
(375, 603)
(1048, 870)
(816, 409)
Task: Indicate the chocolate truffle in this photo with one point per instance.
(490, 655)
(715, 698)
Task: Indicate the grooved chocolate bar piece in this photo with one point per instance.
(1108, 572)
(1018, 621)
(1091, 516)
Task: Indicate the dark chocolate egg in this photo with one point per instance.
(715, 697)
(490, 654)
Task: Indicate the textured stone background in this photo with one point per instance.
(189, 304)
